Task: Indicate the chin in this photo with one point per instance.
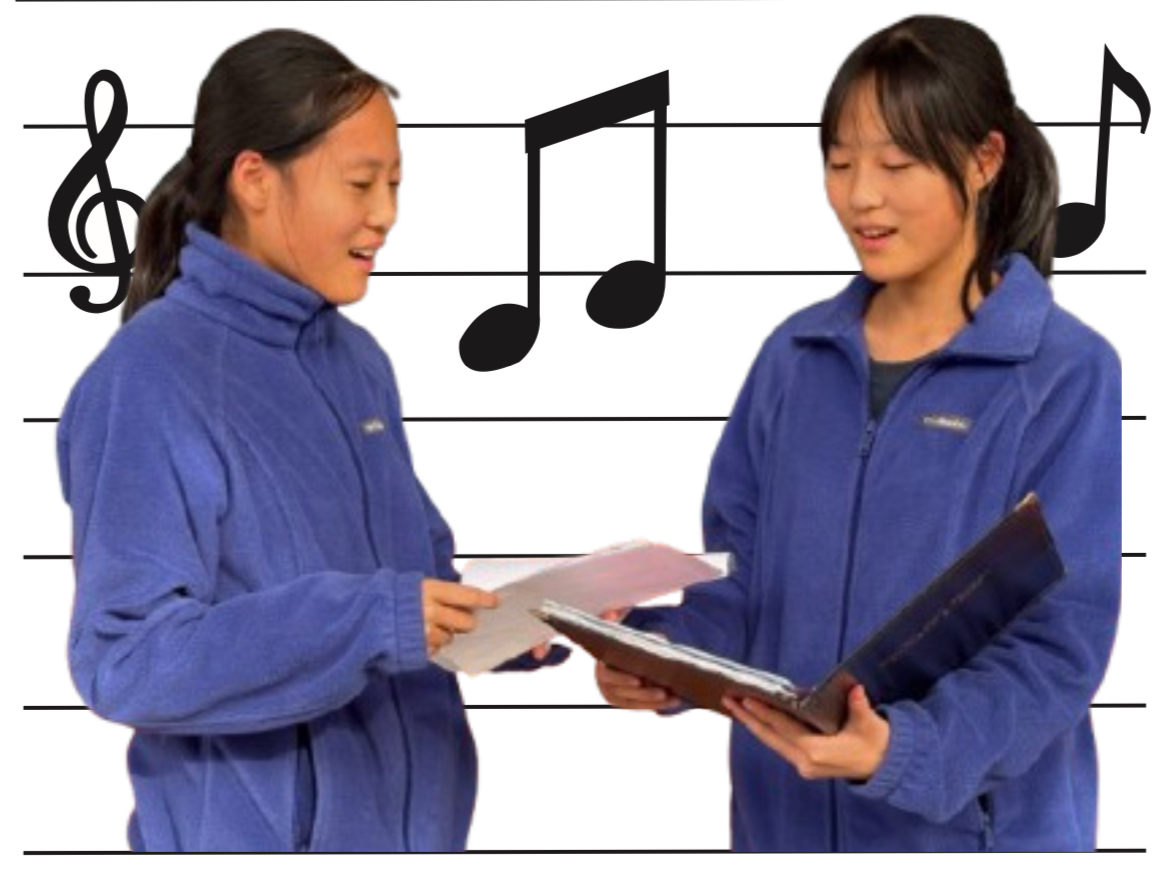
(883, 269)
(341, 298)
(876, 269)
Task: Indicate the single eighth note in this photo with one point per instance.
(1079, 225)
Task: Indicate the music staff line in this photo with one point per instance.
(491, 853)
(789, 273)
(473, 125)
(1124, 555)
(631, 419)
(519, 706)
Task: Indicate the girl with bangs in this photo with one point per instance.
(879, 434)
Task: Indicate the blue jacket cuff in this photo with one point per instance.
(403, 632)
(651, 620)
(898, 755)
(558, 654)
(657, 620)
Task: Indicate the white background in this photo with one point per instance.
(737, 199)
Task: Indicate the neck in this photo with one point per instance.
(234, 232)
(935, 289)
(914, 316)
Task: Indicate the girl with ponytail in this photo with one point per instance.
(275, 94)
(261, 578)
(882, 432)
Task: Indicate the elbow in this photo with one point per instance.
(114, 689)
(96, 696)
(101, 693)
(126, 665)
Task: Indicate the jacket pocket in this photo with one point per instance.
(305, 797)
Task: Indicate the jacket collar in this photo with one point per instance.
(1007, 325)
(222, 282)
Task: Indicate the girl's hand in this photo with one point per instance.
(630, 692)
(625, 690)
(855, 752)
(448, 610)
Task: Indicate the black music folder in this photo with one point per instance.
(936, 631)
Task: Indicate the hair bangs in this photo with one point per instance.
(914, 101)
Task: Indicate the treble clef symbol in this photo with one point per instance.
(91, 164)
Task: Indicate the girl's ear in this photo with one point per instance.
(988, 160)
(251, 182)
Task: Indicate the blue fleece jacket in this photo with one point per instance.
(835, 520)
(249, 541)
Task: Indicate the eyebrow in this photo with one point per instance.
(375, 163)
(887, 142)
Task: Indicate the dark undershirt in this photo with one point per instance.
(884, 380)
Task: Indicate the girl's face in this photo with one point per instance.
(903, 217)
(321, 221)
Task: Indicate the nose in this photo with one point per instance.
(864, 189)
(385, 209)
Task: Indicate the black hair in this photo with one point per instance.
(277, 92)
(941, 89)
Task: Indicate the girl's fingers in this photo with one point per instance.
(647, 696)
(796, 736)
(454, 594)
(452, 619)
(437, 637)
(783, 747)
(623, 700)
(757, 727)
(610, 676)
(632, 692)
(774, 719)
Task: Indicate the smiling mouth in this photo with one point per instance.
(364, 258)
(873, 240)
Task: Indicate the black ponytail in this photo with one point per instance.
(1017, 211)
(942, 88)
(160, 236)
(278, 93)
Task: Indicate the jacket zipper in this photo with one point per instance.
(867, 440)
(858, 489)
(409, 759)
(863, 453)
(377, 558)
(305, 820)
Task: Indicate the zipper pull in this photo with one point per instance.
(867, 439)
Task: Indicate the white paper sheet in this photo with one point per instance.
(624, 575)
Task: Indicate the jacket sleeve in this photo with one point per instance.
(990, 720)
(714, 616)
(442, 540)
(153, 642)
